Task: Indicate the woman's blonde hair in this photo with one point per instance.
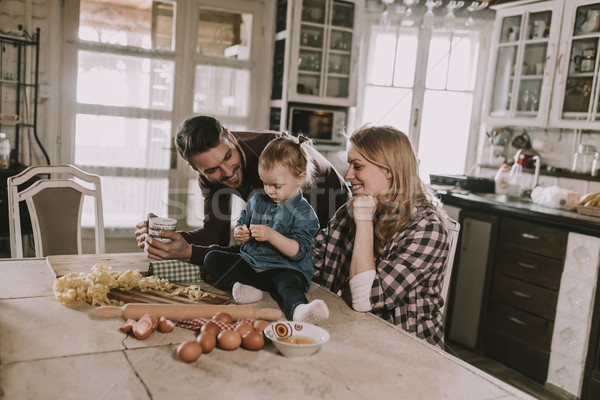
(289, 152)
(391, 149)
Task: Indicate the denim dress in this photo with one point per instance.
(294, 219)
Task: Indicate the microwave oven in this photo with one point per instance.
(322, 125)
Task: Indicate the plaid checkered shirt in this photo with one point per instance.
(407, 285)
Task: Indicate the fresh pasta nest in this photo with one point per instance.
(93, 287)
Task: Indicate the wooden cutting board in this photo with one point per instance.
(163, 297)
(121, 262)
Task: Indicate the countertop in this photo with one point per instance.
(53, 351)
(502, 204)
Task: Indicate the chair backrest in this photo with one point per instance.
(55, 205)
(453, 228)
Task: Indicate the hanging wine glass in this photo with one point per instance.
(450, 18)
(429, 16)
(473, 8)
(408, 19)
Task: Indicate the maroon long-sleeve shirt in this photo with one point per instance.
(328, 194)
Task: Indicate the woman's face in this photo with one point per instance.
(364, 176)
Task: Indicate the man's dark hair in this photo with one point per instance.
(197, 135)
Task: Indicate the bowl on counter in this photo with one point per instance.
(296, 339)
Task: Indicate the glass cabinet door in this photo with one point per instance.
(325, 49)
(523, 64)
(580, 99)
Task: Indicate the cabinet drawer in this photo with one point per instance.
(530, 361)
(533, 237)
(532, 330)
(525, 296)
(530, 267)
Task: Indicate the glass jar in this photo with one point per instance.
(4, 151)
(583, 159)
(596, 165)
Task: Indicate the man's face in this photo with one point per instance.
(221, 164)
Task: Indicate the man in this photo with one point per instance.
(227, 164)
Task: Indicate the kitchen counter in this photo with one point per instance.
(53, 351)
(502, 204)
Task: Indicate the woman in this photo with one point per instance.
(388, 245)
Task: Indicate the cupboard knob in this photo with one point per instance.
(530, 236)
(517, 321)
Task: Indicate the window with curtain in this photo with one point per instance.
(422, 81)
(136, 78)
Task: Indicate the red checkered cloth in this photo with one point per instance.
(197, 323)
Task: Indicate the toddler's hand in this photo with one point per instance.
(261, 233)
(242, 233)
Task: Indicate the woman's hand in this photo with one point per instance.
(142, 230)
(178, 249)
(362, 207)
(242, 233)
(262, 233)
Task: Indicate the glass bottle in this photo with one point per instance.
(4, 151)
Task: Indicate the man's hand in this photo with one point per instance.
(242, 233)
(178, 249)
(362, 207)
(262, 233)
(142, 230)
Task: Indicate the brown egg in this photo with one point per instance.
(189, 351)
(243, 328)
(253, 340)
(260, 325)
(211, 327)
(229, 340)
(207, 341)
(165, 325)
(223, 317)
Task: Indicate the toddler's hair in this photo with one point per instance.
(288, 151)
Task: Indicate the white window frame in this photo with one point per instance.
(185, 60)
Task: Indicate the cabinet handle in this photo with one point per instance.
(524, 265)
(517, 321)
(521, 294)
(416, 120)
(529, 236)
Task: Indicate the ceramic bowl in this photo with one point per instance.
(296, 339)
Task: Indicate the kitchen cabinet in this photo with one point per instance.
(315, 55)
(19, 85)
(577, 89)
(523, 63)
(527, 272)
(474, 257)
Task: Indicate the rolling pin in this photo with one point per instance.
(178, 312)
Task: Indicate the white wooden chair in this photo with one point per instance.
(453, 228)
(55, 205)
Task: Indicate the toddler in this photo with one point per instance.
(277, 228)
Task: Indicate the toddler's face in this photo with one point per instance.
(279, 183)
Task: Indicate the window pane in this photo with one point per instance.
(221, 91)
(406, 57)
(117, 80)
(445, 132)
(381, 60)
(137, 23)
(437, 68)
(125, 200)
(122, 142)
(387, 106)
(224, 34)
(462, 70)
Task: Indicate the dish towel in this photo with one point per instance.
(175, 271)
